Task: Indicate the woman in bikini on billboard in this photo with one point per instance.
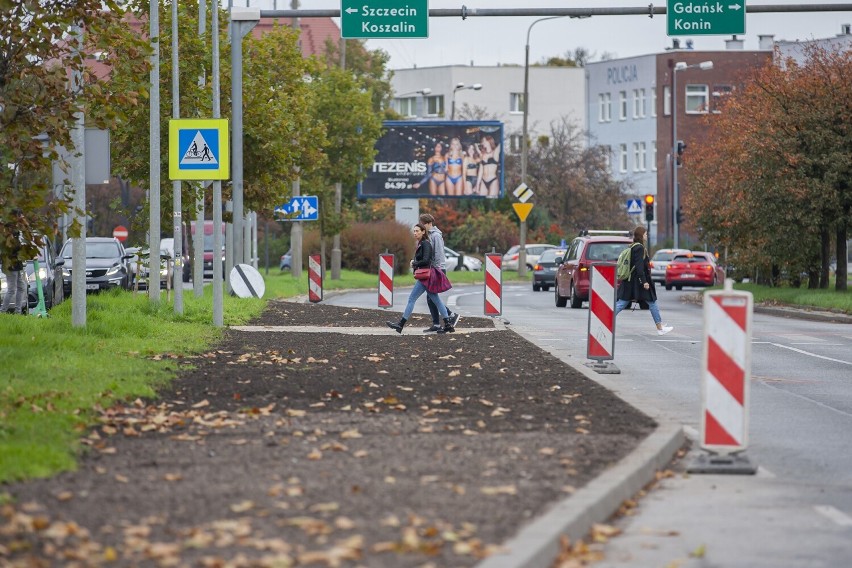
(490, 185)
(455, 169)
(436, 172)
(472, 170)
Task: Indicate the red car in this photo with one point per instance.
(695, 268)
(591, 247)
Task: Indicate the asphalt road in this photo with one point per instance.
(797, 510)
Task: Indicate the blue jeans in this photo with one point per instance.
(418, 290)
(655, 310)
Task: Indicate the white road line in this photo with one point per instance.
(820, 343)
(803, 352)
(835, 515)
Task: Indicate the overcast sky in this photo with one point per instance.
(501, 40)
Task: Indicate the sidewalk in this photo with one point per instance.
(345, 444)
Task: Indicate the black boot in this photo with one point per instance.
(397, 326)
(448, 326)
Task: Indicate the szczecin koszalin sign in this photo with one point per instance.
(384, 19)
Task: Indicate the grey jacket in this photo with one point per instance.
(439, 259)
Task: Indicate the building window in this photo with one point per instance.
(654, 101)
(642, 104)
(643, 156)
(636, 156)
(607, 156)
(622, 105)
(636, 113)
(697, 99)
(515, 143)
(667, 101)
(407, 107)
(516, 102)
(435, 105)
(604, 107)
(622, 158)
(654, 155)
(720, 92)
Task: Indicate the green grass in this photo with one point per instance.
(53, 375)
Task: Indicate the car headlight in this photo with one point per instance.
(114, 270)
(66, 272)
(42, 274)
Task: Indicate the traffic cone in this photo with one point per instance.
(40, 311)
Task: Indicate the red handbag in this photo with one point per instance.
(422, 273)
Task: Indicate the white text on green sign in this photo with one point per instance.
(705, 17)
(384, 19)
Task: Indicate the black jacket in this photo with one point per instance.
(423, 254)
(633, 290)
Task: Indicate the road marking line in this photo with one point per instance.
(835, 515)
(820, 344)
(803, 352)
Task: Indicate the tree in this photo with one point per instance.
(38, 54)
(777, 156)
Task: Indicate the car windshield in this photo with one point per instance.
(689, 259)
(94, 250)
(550, 255)
(513, 250)
(661, 255)
(605, 251)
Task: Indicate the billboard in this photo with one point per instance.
(420, 159)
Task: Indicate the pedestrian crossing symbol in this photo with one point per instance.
(634, 206)
(198, 149)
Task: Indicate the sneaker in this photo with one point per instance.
(435, 327)
(664, 330)
(454, 319)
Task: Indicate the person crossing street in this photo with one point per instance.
(439, 262)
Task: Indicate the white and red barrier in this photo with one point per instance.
(493, 284)
(726, 370)
(315, 278)
(385, 280)
(601, 327)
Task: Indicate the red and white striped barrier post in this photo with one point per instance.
(385, 280)
(601, 328)
(315, 278)
(725, 380)
(493, 284)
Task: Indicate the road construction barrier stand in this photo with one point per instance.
(600, 346)
(725, 380)
(315, 278)
(385, 280)
(493, 284)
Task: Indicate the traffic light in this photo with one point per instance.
(649, 207)
(679, 215)
(681, 146)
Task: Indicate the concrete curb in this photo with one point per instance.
(538, 544)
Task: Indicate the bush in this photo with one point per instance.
(362, 243)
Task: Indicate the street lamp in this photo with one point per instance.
(422, 92)
(679, 66)
(460, 87)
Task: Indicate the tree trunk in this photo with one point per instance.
(824, 258)
(842, 273)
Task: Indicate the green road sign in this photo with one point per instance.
(705, 17)
(384, 19)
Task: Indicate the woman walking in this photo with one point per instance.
(422, 259)
(639, 286)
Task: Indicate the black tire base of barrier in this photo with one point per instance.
(732, 463)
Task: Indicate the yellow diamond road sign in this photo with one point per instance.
(523, 210)
(199, 149)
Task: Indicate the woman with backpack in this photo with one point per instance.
(638, 286)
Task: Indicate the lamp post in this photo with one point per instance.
(459, 87)
(680, 66)
(522, 254)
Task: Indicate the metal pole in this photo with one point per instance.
(198, 237)
(237, 133)
(154, 152)
(218, 316)
(674, 159)
(78, 181)
(336, 253)
(177, 219)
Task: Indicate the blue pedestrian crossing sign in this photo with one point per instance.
(302, 208)
(634, 206)
(199, 149)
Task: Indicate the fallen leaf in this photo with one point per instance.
(242, 506)
(499, 490)
(201, 404)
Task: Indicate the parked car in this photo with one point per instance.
(572, 276)
(287, 260)
(544, 271)
(467, 262)
(693, 269)
(48, 272)
(510, 259)
(106, 264)
(661, 260)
